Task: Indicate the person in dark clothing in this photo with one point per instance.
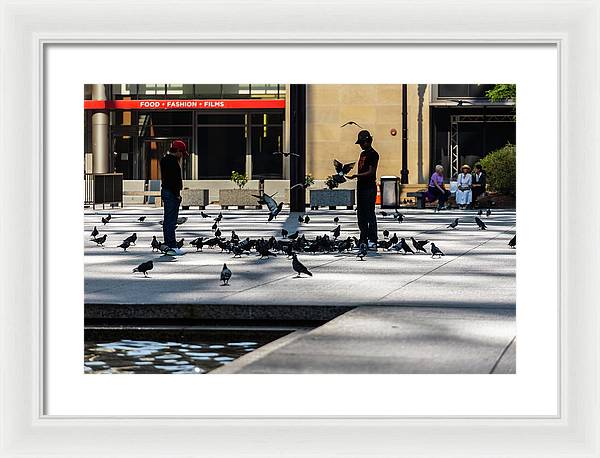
(366, 190)
(171, 186)
(479, 182)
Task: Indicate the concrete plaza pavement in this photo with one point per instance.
(452, 314)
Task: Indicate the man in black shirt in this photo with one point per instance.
(366, 190)
(171, 186)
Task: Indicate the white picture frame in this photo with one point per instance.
(27, 27)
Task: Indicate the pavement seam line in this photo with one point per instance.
(444, 264)
(502, 354)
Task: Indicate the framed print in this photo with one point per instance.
(342, 276)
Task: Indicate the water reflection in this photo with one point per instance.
(150, 357)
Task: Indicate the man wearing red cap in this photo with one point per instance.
(171, 186)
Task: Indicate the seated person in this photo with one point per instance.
(478, 184)
(436, 190)
(463, 191)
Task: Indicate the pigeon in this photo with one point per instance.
(218, 233)
(336, 231)
(144, 267)
(132, 238)
(284, 233)
(404, 246)
(204, 215)
(100, 240)
(300, 219)
(106, 220)
(399, 216)
(488, 212)
(436, 251)
(336, 220)
(351, 123)
(180, 243)
(394, 239)
(386, 234)
(272, 205)
(513, 242)
(362, 251)
(234, 237)
(285, 154)
(293, 236)
(225, 275)
(238, 251)
(219, 217)
(198, 243)
(419, 246)
(453, 224)
(341, 170)
(480, 212)
(215, 226)
(480, 223)
(384, 213)
(264, 252)
(299, 267)
(125, 245)
(155, 244)
(94, 233)
(300, 185)
(306, 219)
(141, 219)
(181, 220)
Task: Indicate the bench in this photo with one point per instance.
(420, 197)
(155, 194)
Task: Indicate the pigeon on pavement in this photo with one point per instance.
(125, 245)
(453, 224)
(100, 240)
(284, 233)
(204, 215)
(225, 275)
(362, 251)
(436, 251)
(299, 267)
(419, 246)
(106, 220)
(306, 219)
(94, 233)
(513, 242)
(144, 267)
(141, 219)
(336, 231)
(480, 223)
(155, 244)
(404, 246)
(132, 238)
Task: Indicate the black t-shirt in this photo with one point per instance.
(171, 174)
(368, 157)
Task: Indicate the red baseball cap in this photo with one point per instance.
(179, 145)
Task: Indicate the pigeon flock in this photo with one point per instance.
(288, 245)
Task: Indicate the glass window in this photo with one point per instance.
(208, 91)
(267, 118)
(220, 151)
(463, 90)
(266, 140)
(235, 91)
(264, 91)
(222, 118)
(152, 89)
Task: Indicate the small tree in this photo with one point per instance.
(502, 92)
(501, 169)
(308, 181)
(240, 179)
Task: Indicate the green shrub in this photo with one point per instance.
(309, 180)
(240, 179)
(501, 169)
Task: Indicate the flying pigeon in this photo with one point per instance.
(141, 219)
(362, 251)
(341, 170)
(144, 267)
(100, 240)
(351, 123)
(225, 275)
(272, 205)
(453, 224)
(436, 251)
(480, 223)
(299, 267)
(94, 233)
(513, 242)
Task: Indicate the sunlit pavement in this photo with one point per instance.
(442, 305)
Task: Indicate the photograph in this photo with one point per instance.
(299, 228)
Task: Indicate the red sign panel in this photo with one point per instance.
(178, 104)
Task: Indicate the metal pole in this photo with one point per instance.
(100, 123)
(297, 146)
(404, 171)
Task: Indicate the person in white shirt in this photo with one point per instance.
(464, 195)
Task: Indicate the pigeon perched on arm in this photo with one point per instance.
(225, 275)
(299, 267)
(435, 251)
(453, 224)
(480, 223)
(144, 267)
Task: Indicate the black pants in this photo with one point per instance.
(365, 212)
(440, 196)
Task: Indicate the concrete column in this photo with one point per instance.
(100, 123)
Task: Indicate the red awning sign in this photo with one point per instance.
(178, 104)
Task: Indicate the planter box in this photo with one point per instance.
(238, 198)
(194, 198)
(332, 198)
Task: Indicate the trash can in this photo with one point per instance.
(390, 192)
